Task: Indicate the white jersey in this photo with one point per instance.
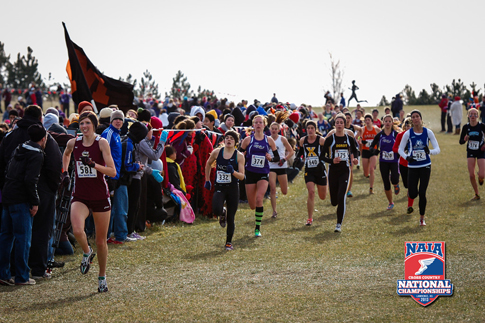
(281, 151)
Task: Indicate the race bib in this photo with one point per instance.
(257, 161)
(343, 154)
(473, 144)
(312, 162)
(419, 155)
(223, 177)
(84, 171)
(387, 155)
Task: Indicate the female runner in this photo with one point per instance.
(315, 173)
(257, 146)
(369, 160)
(278, 170)
(403, 163)
(229, 170)
(473, 133)
(388, 160)
(92, 161)
(416, 141)
(339, 150)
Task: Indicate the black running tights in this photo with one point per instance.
(386, 169)
(419, 175)
(338, 182)
(230, 195)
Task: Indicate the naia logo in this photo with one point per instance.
(424, 272)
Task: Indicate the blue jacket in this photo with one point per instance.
(113, 136)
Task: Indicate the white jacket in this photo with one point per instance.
(456, 112)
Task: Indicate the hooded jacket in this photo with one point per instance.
(23, 174)
(50, 175)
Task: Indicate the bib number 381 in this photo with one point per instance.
(257, 161)
(84, 171)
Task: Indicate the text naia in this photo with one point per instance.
(424, 287)
(413, 247)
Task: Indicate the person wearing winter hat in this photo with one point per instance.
(84, 106)
(51, 123)
(144, 115)
(52, 110)
(104, 120)
(198, 111)
(20, 204)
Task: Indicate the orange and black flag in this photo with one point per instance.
(89, 84)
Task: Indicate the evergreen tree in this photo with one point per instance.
(148, 86)
(436, 93)
(383, 101)
(409, 95)
(180, 87)
(201, 93)
(23, 72)
(4, 59)
(423, 98)
(457, 88)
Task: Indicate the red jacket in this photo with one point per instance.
(443, 104)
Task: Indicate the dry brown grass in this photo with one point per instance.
(293, 273)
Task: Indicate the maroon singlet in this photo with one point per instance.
(89, 183)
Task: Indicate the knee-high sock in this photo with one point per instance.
(259, 216)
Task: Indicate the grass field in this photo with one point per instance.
(293, 273)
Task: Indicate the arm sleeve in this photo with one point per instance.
(402, 145)
(129, 165)
(326, 151)
(31, 177)
(436, 148)
(276, 157)
(396, 143)
(462, 135)
(300, 152)
(353, 146)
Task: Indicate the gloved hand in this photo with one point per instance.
(207, 185)
(87, 161)
(65, 179)
(164, 136)
(426, 149)
(281, 162)
(410, 159)
(190, 149)
(364, 142)
(156, 174)
(229, 169)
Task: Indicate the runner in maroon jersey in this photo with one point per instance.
(93, 160)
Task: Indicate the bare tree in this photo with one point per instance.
(337, 75)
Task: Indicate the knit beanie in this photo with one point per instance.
(118, 114)
(36, 132)
(52, 110)
(82, 105)
(144, 115)
(295, 117)
(137, 132)
(50, 119)
(105, 113)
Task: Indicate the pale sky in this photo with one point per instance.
(252, 49)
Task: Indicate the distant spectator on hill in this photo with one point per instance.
(444, 110)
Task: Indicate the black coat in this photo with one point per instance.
(50, 175)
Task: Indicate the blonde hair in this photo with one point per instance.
(260, 116)
(472, 110)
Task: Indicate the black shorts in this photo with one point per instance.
(367, 154)
(475, 154)
(279, 171)
(317, 178)
(253, 178)
(95, 205)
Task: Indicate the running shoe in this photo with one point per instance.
(390, 206)
(371, 190)
(397, 189)
(222, 218)
(47, 275)
(87, 261)
(136, 236)
(349, 194)
(480, 181)
(410, 209)
(102, 286)
(257, 233)
(275, 214)
(475, 198)
(113, 241)
(8, 282)
(338, 228)
(422, 222)
(309, 222)
(229, 246)
(129, 239)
